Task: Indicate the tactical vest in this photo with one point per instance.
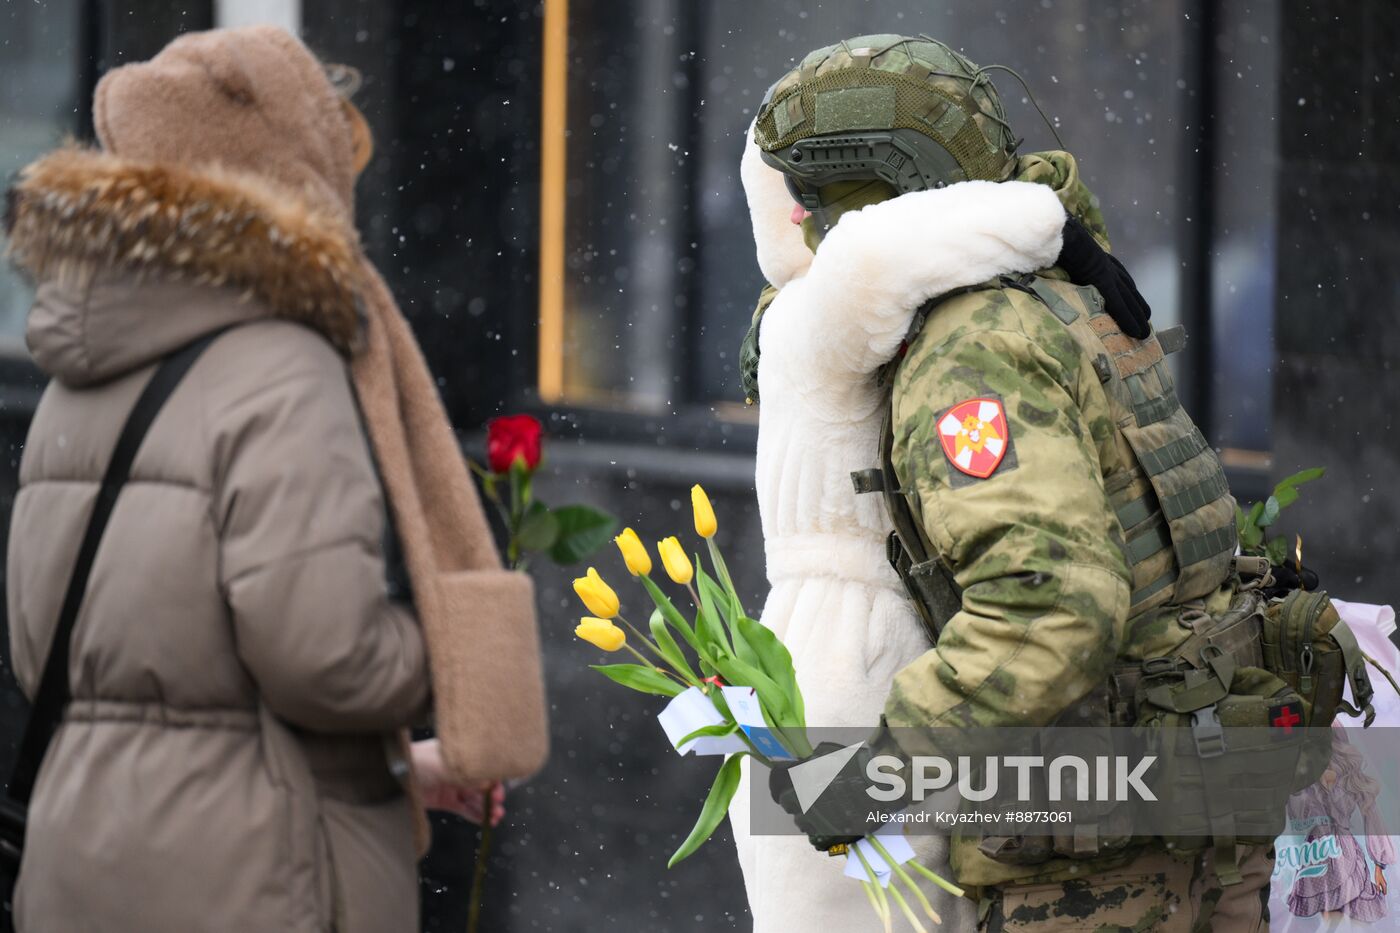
(1236, 667)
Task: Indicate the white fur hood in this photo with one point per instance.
(859, 291)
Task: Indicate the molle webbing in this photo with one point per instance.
(1173, 453)
(1144, 593)
(1154, 397)
(1173, 502)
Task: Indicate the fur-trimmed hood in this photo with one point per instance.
(100, 233)
(783, 256)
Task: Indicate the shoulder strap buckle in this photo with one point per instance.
(1172, 339)
(1208, 732)
(868, 481)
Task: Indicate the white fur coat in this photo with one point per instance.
(834, 600)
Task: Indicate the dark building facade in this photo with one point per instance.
(555, 200)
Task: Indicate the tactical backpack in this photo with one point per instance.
(1234, 696)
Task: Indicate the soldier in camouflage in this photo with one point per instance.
(1075, 511)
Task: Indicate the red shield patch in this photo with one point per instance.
(975, 436)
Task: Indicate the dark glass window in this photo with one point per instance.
(658, 267)
(40, 92)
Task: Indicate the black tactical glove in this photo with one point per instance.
(1286, 578)
(845, 803)
(1088, 264)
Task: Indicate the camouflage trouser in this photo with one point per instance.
(1155, 893)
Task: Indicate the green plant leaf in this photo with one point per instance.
(1301, 477)
(666, 643)
(1250, 533)
(1277, 550)
(716, 806)
(775, 661)
(736, 608)
(771, 697)
(1270, 514)
(639, 678)
(1239, 519)
(538, 528)
(719, 729)
(1285, 496)
(582, 530)
(712, 623)
(671, 614)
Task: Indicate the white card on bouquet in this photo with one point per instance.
(693, 710)
(743, 703)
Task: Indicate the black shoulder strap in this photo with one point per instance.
(53, 694)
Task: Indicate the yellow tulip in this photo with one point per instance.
(705, 524)
(597, 595)
(634, 552)
(601, 632)
(673, 558)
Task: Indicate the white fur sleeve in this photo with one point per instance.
(879, 264)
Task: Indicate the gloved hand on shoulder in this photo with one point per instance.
(1089, 264)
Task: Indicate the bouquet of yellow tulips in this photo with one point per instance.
(731, 650)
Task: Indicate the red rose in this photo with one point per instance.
(514, 437)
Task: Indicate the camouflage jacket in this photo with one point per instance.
(1035, 546)
(1102, 509)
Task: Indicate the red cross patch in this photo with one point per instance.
(1284, 716)
(975, 436)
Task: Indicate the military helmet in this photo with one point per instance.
(908, 111)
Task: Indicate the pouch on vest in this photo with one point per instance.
(1104, 832)
(1307, 644)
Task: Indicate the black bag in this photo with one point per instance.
(53, 695)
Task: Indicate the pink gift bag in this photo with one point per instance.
(1335, 861)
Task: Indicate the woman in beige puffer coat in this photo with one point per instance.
(240, 668)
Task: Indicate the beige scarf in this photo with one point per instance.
(478, 619)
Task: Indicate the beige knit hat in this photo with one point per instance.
(252, 99)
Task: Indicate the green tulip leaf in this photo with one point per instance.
(672, 615)
(719, 729)
(666, 643)
(775, 661)
(714, 810)
(736, 608)
(712, 622)
(771, 697)
(639, 678)
(582, 530)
